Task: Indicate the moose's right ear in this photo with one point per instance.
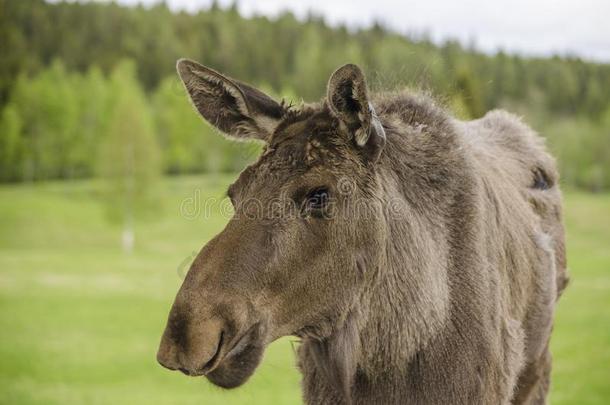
(235, 108)
(348, 99)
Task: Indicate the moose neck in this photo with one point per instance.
(370, 353)
(407, 306)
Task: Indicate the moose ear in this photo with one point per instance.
(235, 108)
(348, 99)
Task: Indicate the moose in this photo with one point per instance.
(417, 257)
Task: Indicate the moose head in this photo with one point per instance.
(307, 233)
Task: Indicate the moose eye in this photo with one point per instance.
(317, 199)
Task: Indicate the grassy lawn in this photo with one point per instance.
(80, 321)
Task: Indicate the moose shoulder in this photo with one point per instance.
(419, 258)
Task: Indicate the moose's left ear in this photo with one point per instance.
(347, 97)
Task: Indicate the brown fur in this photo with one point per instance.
(430, 276)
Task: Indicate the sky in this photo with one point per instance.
(529, 27)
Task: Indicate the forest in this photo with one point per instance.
(90, 89)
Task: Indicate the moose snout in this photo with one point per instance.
(191, 346)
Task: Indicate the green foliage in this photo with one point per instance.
(47, 108)
(10, 142)
(469, 93)
(178, 128)
(128, 157)
(189, 144)
(94, 97)
(582, 148)
(56, 59)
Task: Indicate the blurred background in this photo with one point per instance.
(110, 182)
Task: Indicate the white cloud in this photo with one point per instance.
(539, 27)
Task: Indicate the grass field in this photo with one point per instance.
(80, 321)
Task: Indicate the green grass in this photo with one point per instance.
(581, 340)
(80, 321)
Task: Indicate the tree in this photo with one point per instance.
(94, 108)
(470, 93)
(181, 133)
(10, 143)
(128, 159)
(48, 109)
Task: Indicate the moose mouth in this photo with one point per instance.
(241, 359)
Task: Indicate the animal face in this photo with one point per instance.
(307, 231)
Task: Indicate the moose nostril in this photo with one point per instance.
(198, 352)
(210, 363)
